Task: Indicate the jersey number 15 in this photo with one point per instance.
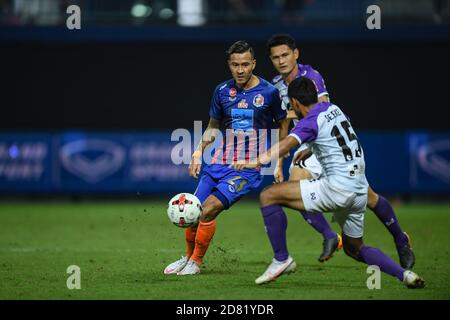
(335, 132)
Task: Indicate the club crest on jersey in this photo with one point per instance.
(258, 100)
(232, 94)
(242, 104)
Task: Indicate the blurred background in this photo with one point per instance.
(90, 111)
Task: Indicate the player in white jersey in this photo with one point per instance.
(341, 189)
(284, 55)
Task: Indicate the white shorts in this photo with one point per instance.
(348, 207)
(311, 164)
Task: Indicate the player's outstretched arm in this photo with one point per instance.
(208, 137)
(280, 149)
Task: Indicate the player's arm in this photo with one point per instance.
(280, 149)
(208, 137)
(302, 155)
(284, 130)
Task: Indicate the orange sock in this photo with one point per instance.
(205, 233)
(189, 235)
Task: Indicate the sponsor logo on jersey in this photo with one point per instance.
(304, 73)
(242, 104)
(258, 100)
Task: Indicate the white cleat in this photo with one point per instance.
(190, 268)
(176, 266)
(412, 280)
(276, 269)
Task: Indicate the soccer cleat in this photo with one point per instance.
(176, 266)
(412, 280)
(276, 269)
(406, 255)
(329, 247)
(190, 269)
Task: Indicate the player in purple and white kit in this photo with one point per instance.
(341, 188)
(284, 55)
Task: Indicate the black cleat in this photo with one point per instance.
(406, 255)
(329, 247)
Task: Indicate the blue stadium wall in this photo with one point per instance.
(80, 162)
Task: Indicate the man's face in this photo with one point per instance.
(283, 58)
(241, 66)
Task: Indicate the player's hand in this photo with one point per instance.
(196, 164)
(302, 155)
(278, 172)
(239, 165)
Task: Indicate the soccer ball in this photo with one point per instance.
(184, 210)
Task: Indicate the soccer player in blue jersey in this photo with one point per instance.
(245, 107)
(284, 55)
(341, 189)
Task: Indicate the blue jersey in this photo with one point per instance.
(247, 117)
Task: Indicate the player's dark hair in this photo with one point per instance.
(239, 47)
(304, 90)
(279, 40)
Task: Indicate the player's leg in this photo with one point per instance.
(229, 189)
(206, 229)
(306, 170)
(352, 225)
(356, 249)
(385, 213)
(272, 199)
(295, 195)
(204, 189)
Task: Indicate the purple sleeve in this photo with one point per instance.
(318, 81)
(306, 129)
(216, 111)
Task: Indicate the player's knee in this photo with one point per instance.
(351, 252)
(266, 198)
(211, 210)
(298, 173)
(208, 214)
(372, 198)
(351, 247)
(305, 175)
(294, 174)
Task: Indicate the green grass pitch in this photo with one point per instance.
(123, 247)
